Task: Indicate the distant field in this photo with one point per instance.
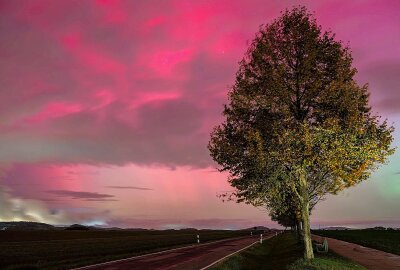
(61, 249)
(386, 240)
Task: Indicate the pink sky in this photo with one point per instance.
(106, 109)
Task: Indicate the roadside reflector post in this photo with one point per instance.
(261, 239)
(198, 239)
(251, 233)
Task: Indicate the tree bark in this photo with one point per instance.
(308, 250)
(299, 229)
(305, 215)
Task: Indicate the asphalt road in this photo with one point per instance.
(188, 258)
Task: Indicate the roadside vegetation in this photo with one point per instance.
(281, 253)
(325, 262)
(65, 249)
(275, 254)
(385, 240)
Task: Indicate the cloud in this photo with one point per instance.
(101, 200)
(18, 209)
(99, 88)
(88, 196)
(86, 78)
(129, 187)
(81, 173)
(384, 85)
(167, 133)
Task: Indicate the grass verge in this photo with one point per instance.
(329, 261)
(283, 252)
(274, 254)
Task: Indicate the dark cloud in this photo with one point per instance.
(88, 196)
(170, 118)
(167, 133)
(129, 187)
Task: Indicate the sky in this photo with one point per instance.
(106, 109)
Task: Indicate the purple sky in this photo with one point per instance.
(106, 109)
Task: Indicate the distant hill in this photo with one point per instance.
(134, 229)
(380, 228)
(78, 227)
(113, 228)
(335, 228)
(188, 229)
(258, 228)
(25, 225)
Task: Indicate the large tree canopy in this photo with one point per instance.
(297, 121)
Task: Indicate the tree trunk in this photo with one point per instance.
(308, 250)
(299, 230)
(305, 215)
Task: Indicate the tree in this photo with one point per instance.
(297, 122)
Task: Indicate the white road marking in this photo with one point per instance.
(227, 256)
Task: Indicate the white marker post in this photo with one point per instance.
(198, 239)
(260, 238)
(251, 233)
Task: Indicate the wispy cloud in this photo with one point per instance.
(129, 187)
(88, 196)
(101, 200)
